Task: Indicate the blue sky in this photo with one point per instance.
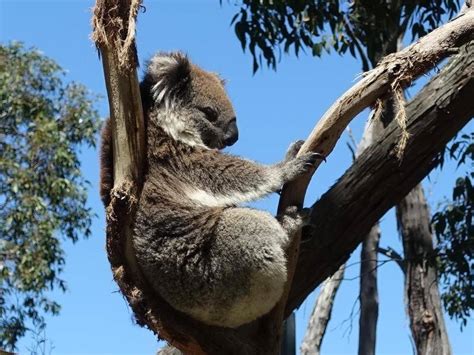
(273, 109)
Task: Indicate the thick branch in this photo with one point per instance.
(378, 179)
(113, 34)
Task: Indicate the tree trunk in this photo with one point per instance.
(368, 294)
(288, 343)
(421, 283)
(369, 299)
(321, 315)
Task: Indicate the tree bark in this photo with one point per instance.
(321, 315)
(378, 179)
(421, 283)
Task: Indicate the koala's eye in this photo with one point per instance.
(210, 113)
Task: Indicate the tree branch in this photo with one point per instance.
(378, 179)
(402, 68)
(392, 254)
(394, 72)
(321, 315)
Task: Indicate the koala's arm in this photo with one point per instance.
(106, 162)
(224, 180)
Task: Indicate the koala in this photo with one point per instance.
(209, 258)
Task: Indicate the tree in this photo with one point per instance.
(454, 231)
(352, 210)
(369, 31)
(44, 122)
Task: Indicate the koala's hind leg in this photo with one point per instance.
(250, 268)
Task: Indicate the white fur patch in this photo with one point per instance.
(209, 199)
(160, 65)
(175, 126)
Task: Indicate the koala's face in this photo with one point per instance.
(188, 103)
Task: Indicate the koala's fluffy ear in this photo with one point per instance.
(167, 78)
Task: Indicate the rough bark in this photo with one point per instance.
(378, 179)
(114, 29)
(421, 283)
(321, 315)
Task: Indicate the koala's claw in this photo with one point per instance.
(321, 156)
(317, 156)
(311, 158)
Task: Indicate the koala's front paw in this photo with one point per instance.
(293, 149)
(301, 165)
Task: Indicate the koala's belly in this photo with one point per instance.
(225, 273)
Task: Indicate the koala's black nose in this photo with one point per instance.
(231, 133)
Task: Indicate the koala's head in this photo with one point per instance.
(188, 103)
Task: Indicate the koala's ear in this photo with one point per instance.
(167, 77)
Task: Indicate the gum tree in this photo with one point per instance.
(43, 124)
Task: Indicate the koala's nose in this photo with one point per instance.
(231, 133)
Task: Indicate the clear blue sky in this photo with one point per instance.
(273, 109)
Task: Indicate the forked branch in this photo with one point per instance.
(393, 73)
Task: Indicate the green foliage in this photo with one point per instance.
(364, 28)
(43, 122)
(455, 234)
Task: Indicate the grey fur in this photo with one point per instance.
(222, 264)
